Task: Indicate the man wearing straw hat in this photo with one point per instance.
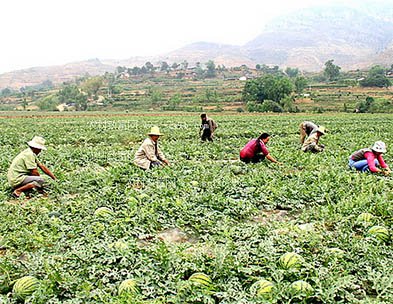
(23, 173)
(306, 129)
(312, 142)
(149, 155)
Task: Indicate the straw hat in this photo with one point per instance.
(155, 131)
(321, 130)
(37, 142)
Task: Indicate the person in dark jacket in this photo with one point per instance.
(208, 126)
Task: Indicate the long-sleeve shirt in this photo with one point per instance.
(209, 124)
(310, 127)
(312, 142)
(252, 148)
(147, 153)
(370, 156)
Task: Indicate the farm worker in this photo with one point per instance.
(208, 126)
(149, 154)
(368, 159)
(306, 129)
(23, 173)
(312, 142)
(255, 150)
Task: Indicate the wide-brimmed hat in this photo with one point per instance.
(379, 146)
(37, 142)
(321, 129)
(155, 131)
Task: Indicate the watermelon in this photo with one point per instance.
(103, 212)
(365, 218)
(128, 286)
(262, 287)
(337, 252)
(290, 260)
(119, 245)
(25, 287)
(302, 286)
(201, 279)
(379, 232)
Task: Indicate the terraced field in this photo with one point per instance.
(207, 229)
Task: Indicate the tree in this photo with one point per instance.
(164, 66)
(92, 85)
(267, 87)
(292, 72)
(48, 103)
(184, 65)
(300, 83)
(6, 92)
(71, 94)
(331, 71)
(175, 66)
(120, 69)
(376, 78)
(149, 67)
(211, 69)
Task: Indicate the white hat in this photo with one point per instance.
(379, 146)
(37, 142)
(155, 131)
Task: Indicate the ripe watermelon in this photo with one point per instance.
(128, 286)
(25, 287)
(201, 279)
(103, 212)
(365, 218)
(379, 232)
(262, 287)
(290, 260)
(302, 286)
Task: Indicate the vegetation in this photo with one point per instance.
(209, 229)
(179, 87)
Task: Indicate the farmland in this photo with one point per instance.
(207, 213)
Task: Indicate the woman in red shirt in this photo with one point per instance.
(368, 159)
(255, 151)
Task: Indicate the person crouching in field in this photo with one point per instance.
(149, 155)
(312, 142)
(255, 150)
(368, 159)
(306, 129)
(208, 126)
(23, 173)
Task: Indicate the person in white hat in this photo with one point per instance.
(23, 173)
(368, 159)
(312, 142)
(149, 154)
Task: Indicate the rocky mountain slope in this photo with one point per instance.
(356, 36)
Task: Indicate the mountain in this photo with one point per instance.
(309, 38)
(356, 35)
(56, 74)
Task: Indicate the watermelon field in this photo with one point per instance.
(207, 229)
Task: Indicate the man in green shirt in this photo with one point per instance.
(23, 173)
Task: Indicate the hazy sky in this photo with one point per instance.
(49, 32)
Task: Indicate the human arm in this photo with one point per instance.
(46, 171)
(386, 170)
(370, 157)
(272, 159)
